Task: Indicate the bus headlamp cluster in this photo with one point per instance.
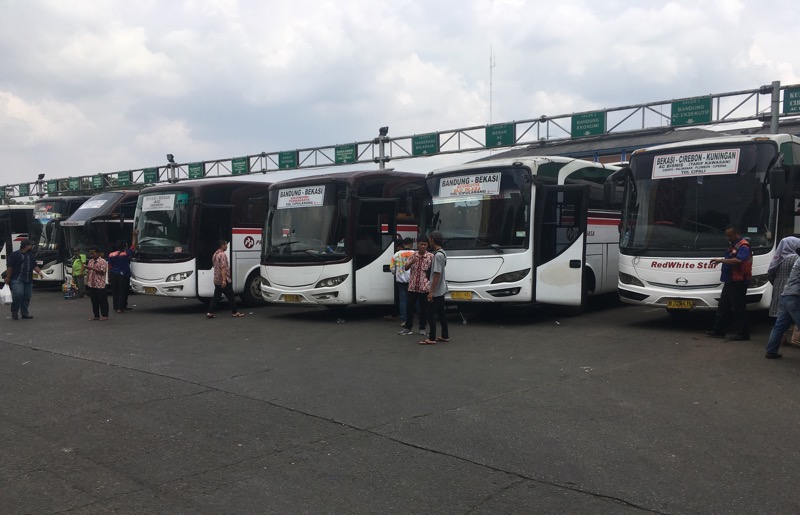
(330, 282)
(511, 277)
(629, 279)
(758, 280)
(180, 276)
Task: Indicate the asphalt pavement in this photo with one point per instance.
(289, 410)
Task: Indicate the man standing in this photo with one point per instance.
(119, 273)
(79, 272)
(222, 281)
(398, 267)
(788, 311)
(737, 269)
(20, 266)
(96, 284)
(436, 293)
(418, 266)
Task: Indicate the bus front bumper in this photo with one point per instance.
(676, 300)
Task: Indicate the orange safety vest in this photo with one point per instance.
(744, 270)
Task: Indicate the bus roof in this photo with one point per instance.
(722, 140)
(202, 184)
(353, 177)
(508, 162)
(102, 204)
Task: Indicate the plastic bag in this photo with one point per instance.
(5, 294)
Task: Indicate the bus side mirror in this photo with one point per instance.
(777, 181)
(609, 190)
(612, 183)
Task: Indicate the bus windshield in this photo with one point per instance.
(680, 201)
(305, 224)
(164, 223)
(44, 230)
(481, 209)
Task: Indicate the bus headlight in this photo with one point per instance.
(511, 277)
(181, 276)
(330, 282)
(629, 279)
(758, 280)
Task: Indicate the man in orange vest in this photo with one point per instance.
(736, 272)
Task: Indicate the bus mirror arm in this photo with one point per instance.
(612, 182)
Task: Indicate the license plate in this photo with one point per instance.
(150, 290)
(291, 298)
(461, 295)
(680, 304)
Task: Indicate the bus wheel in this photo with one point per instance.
(251, 296)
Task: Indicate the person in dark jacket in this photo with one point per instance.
(735, 274)
(119, 274)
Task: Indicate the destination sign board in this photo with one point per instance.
(425, 144)
(344, 154)
(501, 135)
(588, 124)
(791, 101)
(470, 185)
(287, 159)
(691, 111)
(693, 164)
(305, 196)
(151, 175)
(196, 170)
(239, 166)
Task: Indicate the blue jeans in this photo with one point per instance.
(21, 293)
(788, 311)
(402, 296)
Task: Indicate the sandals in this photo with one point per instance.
(440, 339)
(211, 315)
(427, 342)
(237, 314)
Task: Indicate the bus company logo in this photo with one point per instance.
(681, 281)
(249, 242)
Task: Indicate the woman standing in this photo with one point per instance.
(96, 284)
(778, 273)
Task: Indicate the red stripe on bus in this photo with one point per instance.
(246, 231)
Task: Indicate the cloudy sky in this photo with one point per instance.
(99, 86)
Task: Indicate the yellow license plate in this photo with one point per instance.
(291, 298)
(150, 290)
(461, 295)
(680, 304)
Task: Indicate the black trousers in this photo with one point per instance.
(733, 306)
(218, 292)
(412, 299)
(436, 311)
(120, 286)
(99, 300)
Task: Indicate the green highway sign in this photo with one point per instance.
(196, 170)
(287, 159)
(501, 135)
(24, 190)
(124, 178)
(345, 154)
(791, 101)
(97, 181)
(239, 166)
(150, 175)
(692, 111)
(588, 124)
(74, 184)
(52, 186)
(425, 144)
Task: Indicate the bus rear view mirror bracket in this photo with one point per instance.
(612, 182)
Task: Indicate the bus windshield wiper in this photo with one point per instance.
(494, 246)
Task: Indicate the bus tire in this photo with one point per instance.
(251, 296)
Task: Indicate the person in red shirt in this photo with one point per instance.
(222, 281)
(96, 284)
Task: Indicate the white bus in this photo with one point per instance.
(330, 238)
(179, 227)
(533, 229)
(15, 222)
(678, 200)
(48, 238)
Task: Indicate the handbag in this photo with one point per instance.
(5, 294)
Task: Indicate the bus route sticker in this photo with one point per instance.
(698, 164)
(306, 196)
(467, 185)
(158, 202)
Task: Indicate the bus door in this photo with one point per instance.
(6, 241)
(560, 243)
(214, 224)
(373, 249)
